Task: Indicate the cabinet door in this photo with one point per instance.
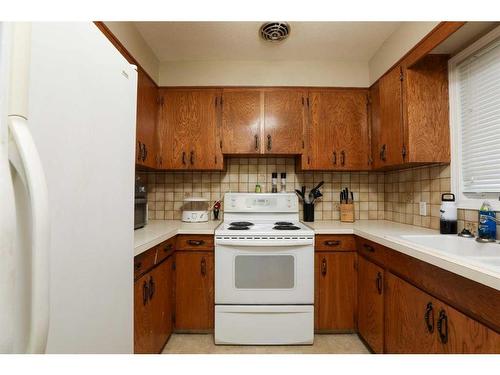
(391, 118)
(147, 112)
(376, 141)
(143, 317)
(410, 318)
(194, 293)
(336, 291)
(284, 117)
(161, 287)
(241, 121)
(371, 304)
(190, 118)
(459, 334)
(339, 129)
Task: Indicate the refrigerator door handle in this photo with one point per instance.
(25, 159)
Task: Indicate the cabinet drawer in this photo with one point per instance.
(337, 242)
(165, 249)
(195, 242)
(144, 262)
(372, 250)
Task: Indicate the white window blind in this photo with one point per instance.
(479, 118)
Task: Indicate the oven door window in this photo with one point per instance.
(264, 271)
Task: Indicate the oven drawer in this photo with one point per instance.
(264, 325)
(335, 242)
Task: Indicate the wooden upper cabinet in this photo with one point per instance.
(390, 133)
(413, 125)
(241, 121)
(338, 129)
(284, 121)
(190, 129)
(371, 304)
(147, 112)
(426, 114)
(374, 116)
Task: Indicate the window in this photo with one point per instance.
(475, 122)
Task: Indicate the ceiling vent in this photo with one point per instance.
(275, 31)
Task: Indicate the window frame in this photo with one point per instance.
(462, 200)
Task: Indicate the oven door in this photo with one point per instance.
(253, 272)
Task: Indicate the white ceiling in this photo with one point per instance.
(201, 41)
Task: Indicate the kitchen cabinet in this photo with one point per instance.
(189, 129)
(410, 318)
(284, 121)
(263, 121)
(371, 304)
(194, 291)
(147, 116)
(335, 291)
(415, 322)
(241, 121)
(410, 112)
(338, 130)
(153, 298)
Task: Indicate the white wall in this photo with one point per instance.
(133, 41)
(398, 43)
(264, 73)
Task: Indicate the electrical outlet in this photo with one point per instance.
(423, 208)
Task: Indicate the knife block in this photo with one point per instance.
(347, 212)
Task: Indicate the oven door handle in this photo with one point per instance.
(264, 243)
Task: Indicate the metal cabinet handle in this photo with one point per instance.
(369, 248)
(269, 142)
(429, 317)
(137, 266)
(442, 326)
(203, 266)
(196, 242)
(151, 287)
(334, 161)
(139, 153)
(382, 152)
(332, 243)
(145, 152)
(379, 283)
(145, 293)
(342, 158)
(191, 158)
(168, 247)
(183, 158)
(256, 142)
(323, 267)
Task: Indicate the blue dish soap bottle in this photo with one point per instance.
(487, 228)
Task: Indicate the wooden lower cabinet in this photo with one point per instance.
(153, 308)
(335, 291)
(194, 291)
(371, 304)
(415, 322)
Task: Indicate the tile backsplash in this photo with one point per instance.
(166, 190)
(391, 195)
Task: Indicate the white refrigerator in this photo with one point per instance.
(67, 136)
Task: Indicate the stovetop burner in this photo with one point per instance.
(240, 224)
(238, 228)
(286, 223)
(286, 227)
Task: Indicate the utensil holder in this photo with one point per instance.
(347, 212)
(309, 212)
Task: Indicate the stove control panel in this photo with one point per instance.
(259, 202)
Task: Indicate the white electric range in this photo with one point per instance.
(264, 272)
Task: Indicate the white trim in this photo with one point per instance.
(464, 201)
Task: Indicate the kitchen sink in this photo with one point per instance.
(455, 245)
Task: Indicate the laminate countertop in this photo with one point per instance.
(463, 256)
